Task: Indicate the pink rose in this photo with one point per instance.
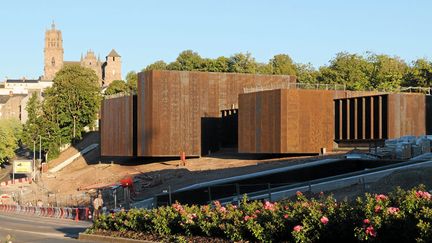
(299, 193)
(392, 210)
(366, 221)
(371, 231)
(324, 220)
(297, 228)
(268, 206)
(246, 218)
(257, 211)
(285, 216)
(377, 208)
(381, 197)
(222, 210)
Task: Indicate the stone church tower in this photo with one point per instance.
(53, 52)
(111, 69)
(107, 71)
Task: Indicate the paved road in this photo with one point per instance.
(38, 229)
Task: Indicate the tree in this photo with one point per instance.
(264, 68)
(351, 70)
(10, 131)
(306, 73)
(117, 86)
(73, 101)
(242, 63)
(32, 127)
(132, 82)
(187, 60)
(282, 64)
(158, 65)
(420, 74)
(387, 73)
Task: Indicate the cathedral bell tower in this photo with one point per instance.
(53, 52)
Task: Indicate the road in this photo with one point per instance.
(38, 229)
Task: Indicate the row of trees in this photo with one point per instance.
(67, 107)
(358, 72)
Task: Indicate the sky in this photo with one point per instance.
(142, 32)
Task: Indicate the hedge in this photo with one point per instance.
(401, 216)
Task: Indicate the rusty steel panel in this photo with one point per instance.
(116, 127)
(407, 115)
(383, 116)
(286, 121)
(172, 103)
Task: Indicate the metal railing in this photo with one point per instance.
(288, 85)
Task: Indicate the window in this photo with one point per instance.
(53, 62)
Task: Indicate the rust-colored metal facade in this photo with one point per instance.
(378, 117)
(286, 121)
(117, 135)
(171, 105)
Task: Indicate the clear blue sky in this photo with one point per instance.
(145, 31)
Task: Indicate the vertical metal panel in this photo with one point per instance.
(172, 103)
(117, 127)
(306, 121)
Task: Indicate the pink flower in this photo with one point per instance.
(285, 216)
(257, 211)
(299, 193)
(392, 210)
(424, 195)
(246, 218)
(297, 228)
(381, 197)
(366, 221)
(377, 208)
(222, 210)
(268, 206)
(371, 231)
(234, 206)
(324, 220)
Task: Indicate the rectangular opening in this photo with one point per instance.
(336, 119)
(376, 117)
(352, 120)
(360, 118)
(344, 119)
(367, 118)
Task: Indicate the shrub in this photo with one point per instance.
(401, 216)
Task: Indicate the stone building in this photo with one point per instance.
(107, 70)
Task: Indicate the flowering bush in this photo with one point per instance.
(401, 216)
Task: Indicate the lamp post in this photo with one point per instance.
(34, 160)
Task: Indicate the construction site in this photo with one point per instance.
(195, 137)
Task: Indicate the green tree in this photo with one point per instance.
(282, 64)
(132, 81)
(32, 127)
(73, 101)
(117, 86)
(10, 131)
(348, 69)
(158, 65)
(420, 74)
(264, 68)
(306, 73)
(387, 72)
(242, 63)
(187, 60)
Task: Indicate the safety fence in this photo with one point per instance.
(77, 214)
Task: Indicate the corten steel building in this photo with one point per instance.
(286, 121)
(172, 109)
(304, 121)
(377, 117)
